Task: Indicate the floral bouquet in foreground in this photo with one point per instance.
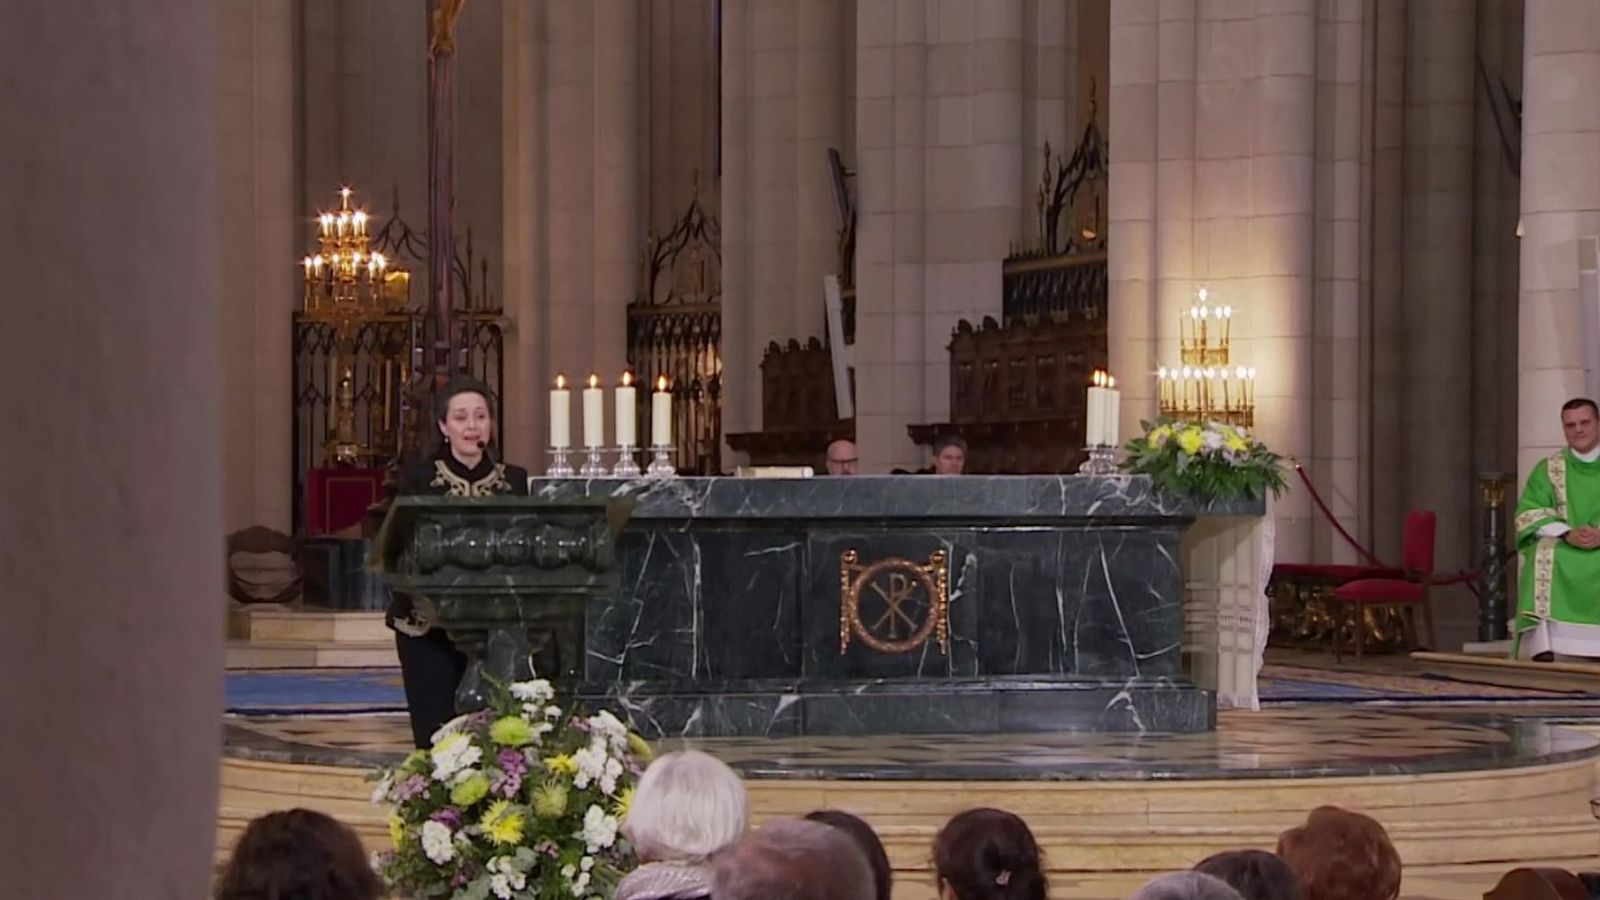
(1210, 461)
(519, 800)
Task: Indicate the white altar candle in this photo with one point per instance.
(1095, 411)
(661, 414)
(594, 413)
(560, 415)
(1112, 418)
(627, 411)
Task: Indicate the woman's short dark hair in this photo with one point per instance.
(1342, 855)
(1255, 874)
(989, 854)
(460, 384)
(871, 846)
(298, 855)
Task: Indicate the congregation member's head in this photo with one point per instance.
(793, 859)
(1580, 423)
(867, 840)
(688, 807)
(1255, 874)
(1185, 886)
(1342, 855)
(988, 854)
(843, 457)
(949, 455)
(301, 854)
(465, 419)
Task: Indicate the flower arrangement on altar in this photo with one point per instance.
(1208, 461)
(519, 800)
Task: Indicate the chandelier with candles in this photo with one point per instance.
(346, 284)
(1208, 386)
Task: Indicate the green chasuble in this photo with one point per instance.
(1558, 589)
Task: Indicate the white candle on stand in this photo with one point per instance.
(594, 413)
(1095, 410)
(661, 414)
(627, 411)
(1111, 420)
(560, 415)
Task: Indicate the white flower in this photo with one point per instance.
(604, 723)
(453, 754)
(591, 762)
(505, 878)
(552, 712)
(535, 691)
(436, 844)
(586, 863)
(540, 729)
(569, 870)
(1211, 439)
(380, 794)
(599, 829)
(579, 884)
(451, 727)
(608, 778)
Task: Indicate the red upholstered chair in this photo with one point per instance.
(1410, 592)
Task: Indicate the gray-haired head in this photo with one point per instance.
(793, 859)
(688, 806)
(1185, 886)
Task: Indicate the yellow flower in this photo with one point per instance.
(624, 802)
(511, 731)
(561, 764)
(1233, 441)
(502, 823)
(1189, 440)
(640, 748)
(550, 800)
(1159, 436)
(470, 791)
(397, 830)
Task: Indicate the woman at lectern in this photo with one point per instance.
(461, 465)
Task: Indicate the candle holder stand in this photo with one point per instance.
(592, 466)
(560, 464)
(661, 463)
(626, 466)
(1102, 461)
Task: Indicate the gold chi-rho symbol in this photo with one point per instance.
(891, 586)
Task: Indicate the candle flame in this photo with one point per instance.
(561, 382)
(627, 378)
(594, 380)
(1203, 294)
(661, 382)
(1111, 381)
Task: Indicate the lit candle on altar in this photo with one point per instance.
(627, 401)
(325, 221)
(360, 220)
(341, 223)
(594, 413)
(1095, 408)
(661, 414)
(560, 415)
(308, 268)
(1111, 420)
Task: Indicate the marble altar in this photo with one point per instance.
(880, 605)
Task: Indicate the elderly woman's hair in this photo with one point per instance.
(793, 859)
(865, 838)
(687, 807)
(301, 854)
(1185, 886)
(1255, 874)
(1342, 855)
(989, 854)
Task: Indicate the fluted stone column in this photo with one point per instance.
(111, 538)
(783, 107)
(571, 205)
(1560, 204)
(259, 229)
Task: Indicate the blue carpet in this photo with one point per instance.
(308, 691)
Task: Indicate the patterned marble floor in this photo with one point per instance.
(1303, 742)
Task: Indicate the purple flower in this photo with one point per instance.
(460, 879)
(548, 848)
(513, 762)
(413, 787)
(449, 816)
(508, 781)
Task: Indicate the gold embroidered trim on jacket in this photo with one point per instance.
(1556, 468)
(456, 486)
(1544, 573)
(1532, 517)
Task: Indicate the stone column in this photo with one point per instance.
(1132, 199)
(1386, 456)
(256, 158)
(1049, 89)
(111, 541)
(571, 205)
(783, 107)
(1560, 204)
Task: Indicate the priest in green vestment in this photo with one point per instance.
(1558, 535)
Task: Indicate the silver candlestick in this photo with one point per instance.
(560, 464)
(626, 466)
(592, 466)
(660, 462)
(1102, 461)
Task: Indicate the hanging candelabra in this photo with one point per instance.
(1207, 386)
(347, 284)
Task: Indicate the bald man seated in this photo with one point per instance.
(843, 457)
